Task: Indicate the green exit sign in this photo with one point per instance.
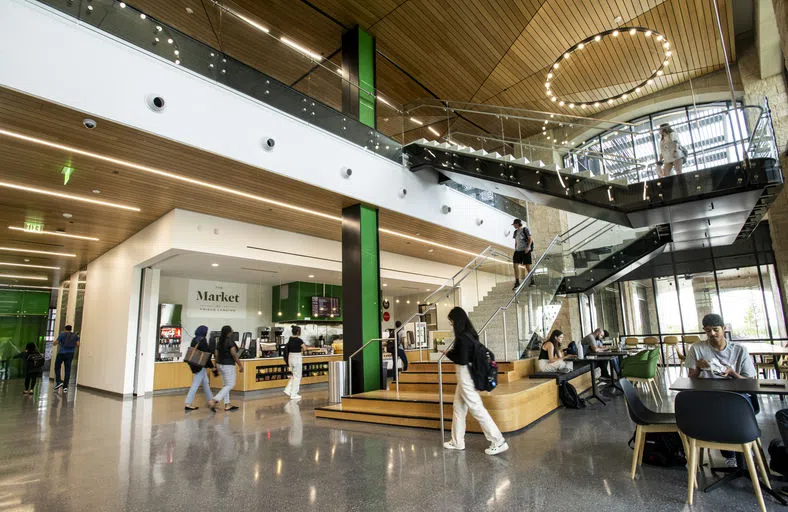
(33, 226)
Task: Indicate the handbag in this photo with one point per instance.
(197, 357)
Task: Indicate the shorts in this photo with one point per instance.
(522, 258)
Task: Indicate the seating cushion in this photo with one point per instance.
(561, 377)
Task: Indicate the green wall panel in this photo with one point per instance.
(366, 79)
(370, 297)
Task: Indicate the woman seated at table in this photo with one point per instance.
(551, 358)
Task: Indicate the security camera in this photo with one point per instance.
(347, 172)
(479, 222)
(269, 144)
(89, 123)
(445, 209)
(155, 103)
(403, 192)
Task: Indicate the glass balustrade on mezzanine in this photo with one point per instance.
(255, 61)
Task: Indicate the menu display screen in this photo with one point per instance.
(325, 307)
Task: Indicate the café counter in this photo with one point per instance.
(260, 373)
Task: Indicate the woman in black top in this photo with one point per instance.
(200, 377)
(226, 360)
(551, 358)
(466, 397)
(33, 366)
(293, 358)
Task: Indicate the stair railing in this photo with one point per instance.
(530, 275)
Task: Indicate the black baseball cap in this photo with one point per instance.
(517, 222)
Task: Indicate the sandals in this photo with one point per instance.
(212, 405)
(189, 408)
(231, 408)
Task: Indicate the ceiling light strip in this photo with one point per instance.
(62, 195)
(24, 265)
(53, 233)
(32, 251)
(15, 276)
(3, 285)
(436, 244)
(166, 174)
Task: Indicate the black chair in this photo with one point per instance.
(646, 421)
(720, 420)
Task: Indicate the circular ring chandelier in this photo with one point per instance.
(633, 31)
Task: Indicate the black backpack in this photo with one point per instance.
(569, 397)
(778, 457)
(663, 449)
(484, 369)
(35, 361)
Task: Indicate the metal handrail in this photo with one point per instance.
(502, 308)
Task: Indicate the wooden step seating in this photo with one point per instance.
(517, 402)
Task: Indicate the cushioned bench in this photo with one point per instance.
(562, 377)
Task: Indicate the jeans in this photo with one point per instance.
(294, 383)
(466, 398)
(65, 359)
(30, 381)
(199, 378)
(404, 358)
(228, 381)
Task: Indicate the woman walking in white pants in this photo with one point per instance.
(226, 359)
(466, 397)
(293, 358)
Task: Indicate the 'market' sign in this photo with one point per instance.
(216, 300)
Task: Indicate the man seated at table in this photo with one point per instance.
(715, 357)
(593, 346)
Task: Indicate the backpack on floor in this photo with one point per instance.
(663, 449)
(35, 362)
(569, 397)
(778, 457)
(484, 369)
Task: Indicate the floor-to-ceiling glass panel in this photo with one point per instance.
(698, 295)
(668, 305)
(773, 302)
(742, 303)
(640, 311)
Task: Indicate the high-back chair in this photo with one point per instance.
(646, 421)
(671, 342)
(642, 368)
(688, 341)
(720, 420)
(631, 341)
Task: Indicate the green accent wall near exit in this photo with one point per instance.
(299, 300)
(366, 78)
(370, 297)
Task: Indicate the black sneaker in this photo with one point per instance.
(65, 389)
(532, 283)
(516, 284)
(58, 385)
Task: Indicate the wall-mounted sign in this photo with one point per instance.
(212, 299)
(386, 316)
(386, 304)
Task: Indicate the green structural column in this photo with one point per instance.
(361, 295)
(358, 63)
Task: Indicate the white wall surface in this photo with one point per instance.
(48, 46)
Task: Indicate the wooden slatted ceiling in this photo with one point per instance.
(495, 52)
(33, 165)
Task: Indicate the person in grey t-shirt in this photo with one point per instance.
(716, 357)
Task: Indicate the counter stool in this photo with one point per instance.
(671, 342)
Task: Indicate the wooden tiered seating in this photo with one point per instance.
(516, 403)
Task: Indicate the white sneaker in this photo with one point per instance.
(286, 392)
(449, 445)
(495, 449)
(295, 397)
(731, 462)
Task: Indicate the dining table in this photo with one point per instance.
(759, 350)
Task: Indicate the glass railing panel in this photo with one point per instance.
(593, 242)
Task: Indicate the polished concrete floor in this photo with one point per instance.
(88, 452)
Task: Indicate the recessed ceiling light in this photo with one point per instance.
(311, 276)
(259, 312)
(142, 15)
(384, 284)
(67, 215)
(32, 278)
(618, 20)
(189, 10)
(54, 233)
(27, 259)
(397, 301)
(407, 302)
(96, 191)
(214, 264)
(31, 251)
(22, 265)
(428, 290)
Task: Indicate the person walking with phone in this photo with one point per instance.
(226, 359)
(466, 397)
(200, 377)
(67, 343)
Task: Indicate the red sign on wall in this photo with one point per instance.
(386, 316)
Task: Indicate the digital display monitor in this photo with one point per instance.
(325, 307)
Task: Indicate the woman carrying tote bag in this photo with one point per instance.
(200, 377)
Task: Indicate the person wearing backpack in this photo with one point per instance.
(523, 252)
(67, 343)
(466, 397)
(200, 377)
(33, 366)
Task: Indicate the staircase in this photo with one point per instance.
(494, 334)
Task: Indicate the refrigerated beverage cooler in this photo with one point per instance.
(170, 333)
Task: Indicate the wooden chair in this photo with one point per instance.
(721, 420)
(646, 421)
(631, 341)
(688, 340)
(671, 344)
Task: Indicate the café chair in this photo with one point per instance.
(645, 421)
(720, 420)
(671, 344)
(688, 340)
(642, 368)
(631, 341)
